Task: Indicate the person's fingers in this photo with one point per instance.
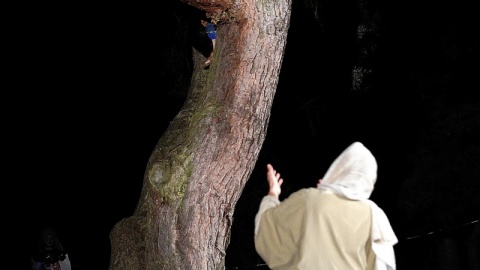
(319, 182)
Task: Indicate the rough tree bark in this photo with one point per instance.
(200, 165)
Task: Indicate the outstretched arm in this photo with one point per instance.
(271, 200)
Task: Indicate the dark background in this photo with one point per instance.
(96, 86)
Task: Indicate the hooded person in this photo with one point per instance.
(50, 254)
(332, 226)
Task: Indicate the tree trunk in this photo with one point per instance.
(199, 167)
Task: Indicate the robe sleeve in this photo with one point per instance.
(279, 229)
(266, 203)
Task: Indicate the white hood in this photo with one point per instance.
(353, 175)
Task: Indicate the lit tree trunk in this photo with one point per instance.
(199, 167)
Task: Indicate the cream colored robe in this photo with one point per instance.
(333, 227)
(314, 229)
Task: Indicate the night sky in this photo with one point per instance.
(92, 100)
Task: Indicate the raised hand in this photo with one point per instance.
(274, 181)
